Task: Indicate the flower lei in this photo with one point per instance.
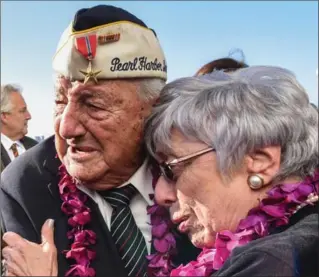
(163, 240)
(160, 263)
(274, 211)
(79, 215)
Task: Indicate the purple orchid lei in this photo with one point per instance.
(79, 215)
(274, 211)
(160, 263)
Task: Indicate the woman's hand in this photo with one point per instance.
(25, 258)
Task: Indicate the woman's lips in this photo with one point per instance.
(183, 227)
(182, 223)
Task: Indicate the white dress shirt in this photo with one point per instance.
(142, 181)
(7, 143)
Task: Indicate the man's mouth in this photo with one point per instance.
(75, 149)
(81, 153)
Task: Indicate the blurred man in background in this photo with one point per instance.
(14, 124)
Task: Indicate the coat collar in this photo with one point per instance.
(51, 164)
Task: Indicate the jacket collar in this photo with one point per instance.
(51, 163)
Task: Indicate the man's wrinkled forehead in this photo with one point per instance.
(69, 87)
(116, 88)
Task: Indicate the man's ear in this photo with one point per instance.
(264, 162)
(4, 118)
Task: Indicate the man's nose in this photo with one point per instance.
(70, 124)
(28, 115)
(165, 193)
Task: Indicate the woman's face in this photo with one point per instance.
(201, 202)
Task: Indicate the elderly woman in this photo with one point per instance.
(237, 155)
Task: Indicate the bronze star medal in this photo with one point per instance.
(90, 74)
(87, 47)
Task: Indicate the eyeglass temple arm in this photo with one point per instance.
(176, 161)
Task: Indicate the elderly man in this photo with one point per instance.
(93, 178)
(14, 124)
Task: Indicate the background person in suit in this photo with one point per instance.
(14, 124)
(110, 70)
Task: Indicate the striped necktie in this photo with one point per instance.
(128, 238)
(14, 150)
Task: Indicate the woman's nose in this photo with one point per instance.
(165, 193)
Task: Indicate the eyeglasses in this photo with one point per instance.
(166, 168)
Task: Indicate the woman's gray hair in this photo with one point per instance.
(6, 90)
(238, 113)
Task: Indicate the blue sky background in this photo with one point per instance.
(191, 34)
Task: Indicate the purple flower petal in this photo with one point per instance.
(161, 245)
(289, 187)
(304, 190)
(250, 221)
(152, 209)
(159, 230)
(275, 211)
(170, 239)
(155, 220)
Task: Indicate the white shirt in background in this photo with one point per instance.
(7, 143)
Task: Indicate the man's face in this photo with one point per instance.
(16, 120)
(99, 129)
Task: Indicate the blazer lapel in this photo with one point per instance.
(28, 142)
(5, 159)
(52, 165)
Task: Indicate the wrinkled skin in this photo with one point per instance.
(98, 136)
(99, 130)
(202, 201)
(24, 258)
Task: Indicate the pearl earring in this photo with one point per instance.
(255, 182)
